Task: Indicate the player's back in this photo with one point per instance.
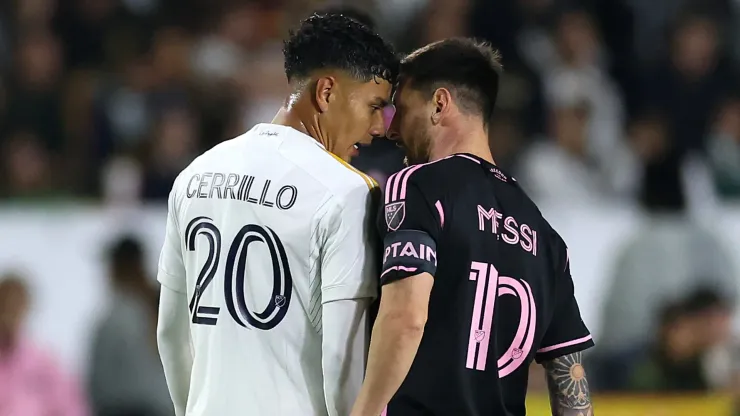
(248, 211)
(502, 293)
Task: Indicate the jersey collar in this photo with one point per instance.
(288, 130)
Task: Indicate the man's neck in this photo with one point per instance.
(473, 141)
(289, 117)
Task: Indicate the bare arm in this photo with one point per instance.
(570, 394)
(395, 340)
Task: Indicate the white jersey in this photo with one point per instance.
(262, 230)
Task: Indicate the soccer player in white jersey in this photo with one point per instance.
(267, 268)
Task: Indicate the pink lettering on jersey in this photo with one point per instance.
(423, 252)
(490, 215)
(519, 349)
(480, 332)
(513, 233)
(489, 286)
(511, 227)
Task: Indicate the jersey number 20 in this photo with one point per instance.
(236, 262)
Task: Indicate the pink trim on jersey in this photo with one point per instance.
(384, 412)
(400, 268)
(441, 212)
(405, 181)
(388, 184)
(401, 179)
(470, 158)
(564, 344)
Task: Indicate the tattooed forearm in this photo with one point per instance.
(568, 386)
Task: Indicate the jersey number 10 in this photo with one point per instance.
(490, 286)
(236, 262)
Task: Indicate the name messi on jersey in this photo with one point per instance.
(512, 233)
(241, 188)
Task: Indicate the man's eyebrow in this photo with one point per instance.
(382, 102)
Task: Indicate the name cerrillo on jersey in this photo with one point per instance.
(210, 185)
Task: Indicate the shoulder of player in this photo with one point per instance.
(434, 179)
(556, 246)
(336, 176)
(344, 177)
(343, 184)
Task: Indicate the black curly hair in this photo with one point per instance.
(352, 12)
(336, 41)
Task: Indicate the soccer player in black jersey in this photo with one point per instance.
(476, 284)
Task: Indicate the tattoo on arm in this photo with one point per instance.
(568, 386)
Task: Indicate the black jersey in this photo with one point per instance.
(502, 295)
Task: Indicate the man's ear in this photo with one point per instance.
(325, 92)
(442, 101)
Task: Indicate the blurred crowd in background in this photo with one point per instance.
(630, 103)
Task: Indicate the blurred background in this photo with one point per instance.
(621, 118)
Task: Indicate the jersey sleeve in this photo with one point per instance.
(171, 271)
(348, 246)
(410, 225)
(567, 333)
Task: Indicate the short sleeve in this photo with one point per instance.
(348, 245)
(567, 333)
(410, 225)
(171, 271)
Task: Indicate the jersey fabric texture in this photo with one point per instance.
(502, 294)
(262, 230)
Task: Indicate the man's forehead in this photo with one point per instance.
(401, 92)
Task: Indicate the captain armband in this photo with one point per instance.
(407, 253)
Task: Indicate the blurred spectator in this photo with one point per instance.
(27, 167)
(724, 149)
(221, 54)
(31, 383)
(690, 331)
(173, 148)
(34, 91)
(658, 163)
(689, 83)
(674, 362)
(659, 263)
(506, 138)
(444, 19)
(577, 70)
(559, 168)
(126, 376)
